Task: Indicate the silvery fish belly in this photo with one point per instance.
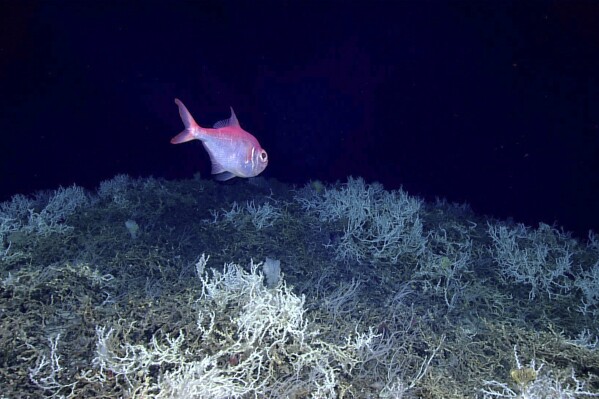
(237, 157)
(233, 151)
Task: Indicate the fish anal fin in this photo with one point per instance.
(224, 176)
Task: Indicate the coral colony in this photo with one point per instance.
(148, 288)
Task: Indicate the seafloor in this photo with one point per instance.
(107, 296)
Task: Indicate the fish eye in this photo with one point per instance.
(263, 156)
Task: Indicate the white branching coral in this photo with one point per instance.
(588, 284)
(61, 204)
(446, 263)
(42, 216)
(541, 258)
(378, 224)
(255, 341)
(531, 383)
(260, 216)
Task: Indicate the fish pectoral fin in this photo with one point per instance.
(224, 176)
(217, 167)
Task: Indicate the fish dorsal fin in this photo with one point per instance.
(232, 121)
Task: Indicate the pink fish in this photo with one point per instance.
(232, 150)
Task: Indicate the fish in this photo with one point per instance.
(233, 151)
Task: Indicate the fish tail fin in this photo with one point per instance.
(191, 127)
